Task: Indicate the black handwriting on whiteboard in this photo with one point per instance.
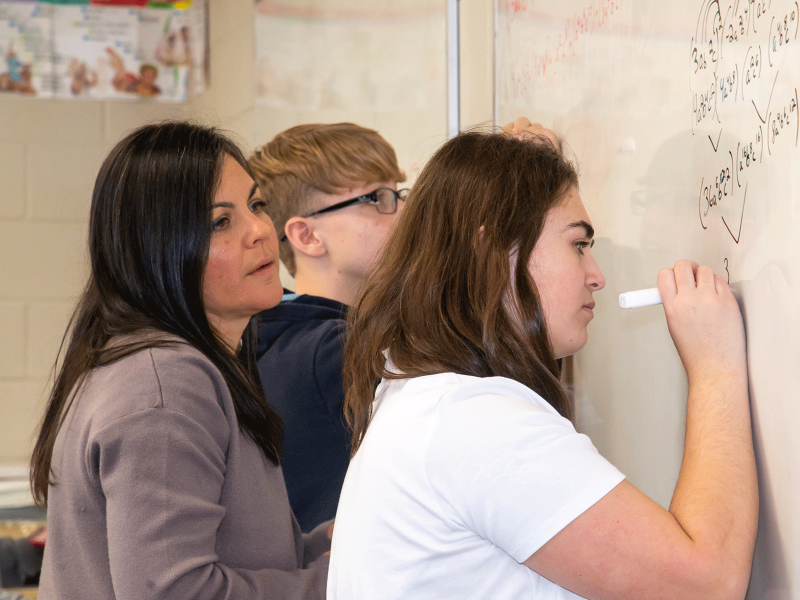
(738, 52)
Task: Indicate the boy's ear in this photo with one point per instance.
(302, 236)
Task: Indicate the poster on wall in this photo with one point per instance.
(173, 45)
(26, 42)
(104, 50)
(95, 52)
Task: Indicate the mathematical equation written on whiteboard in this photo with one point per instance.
(743, 78)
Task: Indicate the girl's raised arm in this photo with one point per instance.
(626, 545)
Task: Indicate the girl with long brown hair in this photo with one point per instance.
(468, 479)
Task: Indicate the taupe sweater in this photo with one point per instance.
(158, 494)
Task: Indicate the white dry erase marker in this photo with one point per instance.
(639, 298)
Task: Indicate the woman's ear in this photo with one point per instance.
(302, 236)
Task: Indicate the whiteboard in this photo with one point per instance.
(683, 118)
(327, 61)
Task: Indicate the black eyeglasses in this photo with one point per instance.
(384, 199)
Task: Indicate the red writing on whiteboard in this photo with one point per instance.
(562, 45)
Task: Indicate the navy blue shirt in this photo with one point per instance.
(300, 354)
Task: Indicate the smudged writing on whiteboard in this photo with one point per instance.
(562, 43)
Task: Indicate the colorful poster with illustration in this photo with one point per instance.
(172, 42)
(96, 52)
(26, 35)
(101, 50)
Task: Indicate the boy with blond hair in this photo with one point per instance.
(331, 191)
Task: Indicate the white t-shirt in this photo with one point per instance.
(459, 480)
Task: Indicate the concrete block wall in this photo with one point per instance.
(51, 151)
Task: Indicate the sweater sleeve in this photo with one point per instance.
(316, 542)
(162, 472)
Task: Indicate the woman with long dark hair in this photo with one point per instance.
(158, 456)
(468, 479)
